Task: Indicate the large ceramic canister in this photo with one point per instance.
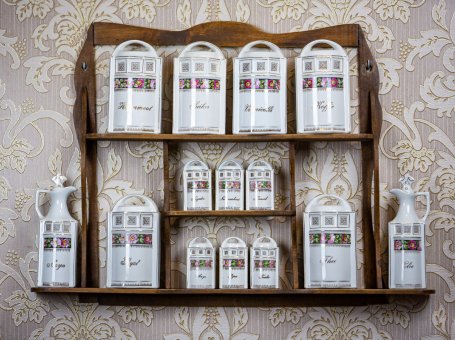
(260, 89)
(233, 263)
(200, 90)
(322, 89)
(329, 243)
(135, 88)
(265, 263)
(200, 264)
(133, 250)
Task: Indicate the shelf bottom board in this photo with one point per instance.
(236, 297)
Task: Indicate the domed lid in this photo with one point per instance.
(264, 242)
(195, 165)
(200, 242)
(233, 242)
(230, 165)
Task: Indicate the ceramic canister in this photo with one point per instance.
(197, 183)
(135, 89)
(265, 258)
(407, 239)
(233, 263)
(58, 238)
(259, 89)
(200, 264)
(322, 89)
(199, 90)
(133, 250)
(329, 243)
(260, 186)
(230, 188)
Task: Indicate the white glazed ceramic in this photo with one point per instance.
(407, 239)
(197, 186)
(329, 243)
(260, 89)
(135, 89)
(133, 247)
(322, 89)
(199, 90)
(230, 187)
(58, 238)
(233, 263)
(260, 192)
(200, 264)
(264, 263)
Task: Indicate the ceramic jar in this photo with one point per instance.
(133, 249)
(230, 187)
(57, 238)
(259, 89)
(407, 239)
(329, 243)
(233, 263)
(322, 89)
(200, 264)
(135, 89)
(265, 263)
(197, 186)
(260, 186)
(200, 90)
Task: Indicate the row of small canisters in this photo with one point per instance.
(259, 89)
(230, 186)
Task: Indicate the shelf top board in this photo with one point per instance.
(332, 137)
(229, 213)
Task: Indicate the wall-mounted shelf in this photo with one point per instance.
(229, 34)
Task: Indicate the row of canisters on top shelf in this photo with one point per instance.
(230, 187)
(133, 246)
(233, 264)
(259, 89)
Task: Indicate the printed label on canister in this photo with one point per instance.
(57, 261)
(233, 273)
(408, 263)
(198, 195)
(230, 195)
(264, 274)
(261, 195)
(201, 273)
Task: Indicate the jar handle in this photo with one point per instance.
(273, 47)
(427, 196)
(148, 201)
(37, 207)
(332, 44)
(315, 200)
(121, 47)
(211, 46)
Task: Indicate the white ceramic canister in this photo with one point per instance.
(233, 263)
(260, 89)
(329, 243)
(260, 186)
(322, 89)
(58, 238)
(230, 187)
(200, 264)
(133, 249)
(265, 263)
(200, 90)
(135, 89)
(407, 239)
(197, 186)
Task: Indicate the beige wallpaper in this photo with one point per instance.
(414, 43)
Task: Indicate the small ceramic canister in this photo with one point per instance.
(197, 186)
(200, 90)
(322, 89)
(265, 258)
(200, 264)
(230, 188)
(233, 263)
(329, 243)
(133, 249)
(260, 186)
(135, 89)
(259, 89)
(58, 238)
(407, 239)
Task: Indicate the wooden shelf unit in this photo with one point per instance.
(228, 34)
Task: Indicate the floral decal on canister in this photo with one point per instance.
(407, 245)
(259, 84)
(57, 242)
(330, 238)
(233, 263)
(260, 185)
(199, 84)
(135, 83)
(229, 185)
(202, 264)
(323, 82)
(131, 238)
(268, 264)
(198, 185)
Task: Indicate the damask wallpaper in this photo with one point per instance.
(414, 44)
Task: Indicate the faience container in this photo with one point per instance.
(197, 186)
(200, 264)
(233, 263)
(264, 263)
(260, 193)
(230, 187)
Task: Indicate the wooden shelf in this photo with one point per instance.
(236, 297)
(229, 213)
(333, 137)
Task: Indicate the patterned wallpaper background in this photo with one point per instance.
(414, 43)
